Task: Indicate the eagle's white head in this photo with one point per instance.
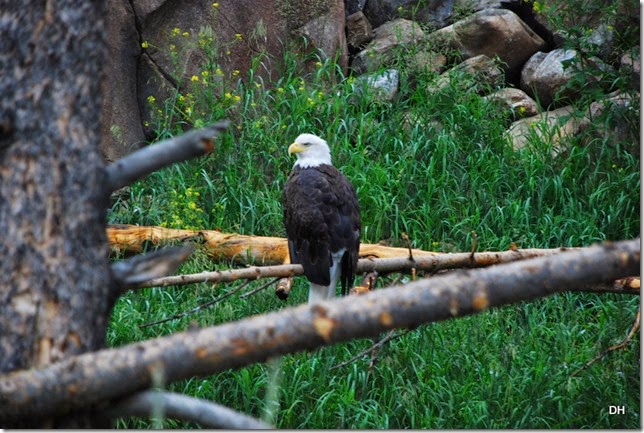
(311, 151)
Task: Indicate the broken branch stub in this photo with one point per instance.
(154, 157)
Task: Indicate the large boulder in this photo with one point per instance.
(496, 33)
(545, 75)
(359, 31)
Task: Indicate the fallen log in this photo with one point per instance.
(229, 247)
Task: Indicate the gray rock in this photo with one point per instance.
(631, 63)
(122, 129)
(359, 30)
(435, 13)
(382, 85)
(474, 74)
(545, 75)
(494, 33)
(549, 127)
(515, 100)
(396, 33)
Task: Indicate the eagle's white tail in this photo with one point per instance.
(322, 293)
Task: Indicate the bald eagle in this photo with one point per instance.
(322, 219)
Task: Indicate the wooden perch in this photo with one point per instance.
(88, 379)
(152, 158)
(401, 264)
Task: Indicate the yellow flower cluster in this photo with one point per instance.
(186, 212)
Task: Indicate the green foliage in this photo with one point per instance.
(435, 166)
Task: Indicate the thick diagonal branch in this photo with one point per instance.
(115, 373)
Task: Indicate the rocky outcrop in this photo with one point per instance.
(143, 64)
(502, 49)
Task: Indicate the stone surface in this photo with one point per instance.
(383, 86)
(631, 63)
(359, 30)
(545, 75)
(548, 127)
(611, 122)
(516, 101)
(240, 29)
(325, 32)
(434, 13)
(397, 33)
(494, 33)
(475, 74)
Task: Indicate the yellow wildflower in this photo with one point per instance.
(218, 71)
(185, 34)
(145, 44)
(194, 78)
(175, 31)
(235, 72)
(215, 5)
(239, 36)
(151, 99)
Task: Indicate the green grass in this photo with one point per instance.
(436, 167)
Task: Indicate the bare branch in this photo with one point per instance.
(252, 272)
(198, 307)
(89, 378)
(634, 328)
(432, 263)
(151, 158)
(179, 406)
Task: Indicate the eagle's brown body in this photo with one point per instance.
(322, 221)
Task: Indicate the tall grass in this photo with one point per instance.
(435, 166)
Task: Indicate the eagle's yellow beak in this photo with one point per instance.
(295, 148)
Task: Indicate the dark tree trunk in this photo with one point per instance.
(54, 276)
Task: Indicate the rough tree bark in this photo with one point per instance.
(54, 276)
